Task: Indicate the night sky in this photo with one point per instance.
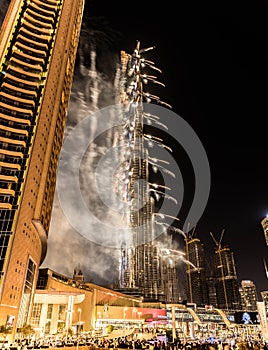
(213, 57)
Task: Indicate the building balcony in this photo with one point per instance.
(42, 11)
(5, 206)
(16, 101)
(14, 119)
(21, 83)
(44, 39)
(17, 91)
(13, 130)
(46, 5)
(7, 191)
(20, 73)
(46, 21)
(12, 141)
(28, 58)
(32, 43)
(31, 51)
(11, 153)
(8, 178)
(26, 66)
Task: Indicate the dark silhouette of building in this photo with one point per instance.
(39, 40)
(212, 292)
(78, 275)
(170, 281)
(227, 288)
(197, 291)
(226, 284)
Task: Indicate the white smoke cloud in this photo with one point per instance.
(67, 248)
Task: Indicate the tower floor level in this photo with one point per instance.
(38, 45)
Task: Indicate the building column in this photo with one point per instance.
(93, 310)
(54, 319)
(173, 323)
(43, 318)
(69, 318)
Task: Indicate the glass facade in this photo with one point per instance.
(36, 72)
(27, 294)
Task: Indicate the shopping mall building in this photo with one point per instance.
(62, 303)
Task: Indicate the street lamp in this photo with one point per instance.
(79, 321)
(134, 312)
(78, 327)
(125, 311)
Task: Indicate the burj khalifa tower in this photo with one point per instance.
(140, 266)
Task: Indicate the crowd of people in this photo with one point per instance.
(152, 341)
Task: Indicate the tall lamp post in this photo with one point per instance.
(78, 327)
(79, 322)
(124, 313)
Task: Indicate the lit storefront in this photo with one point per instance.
(54, 311)
(130, 317)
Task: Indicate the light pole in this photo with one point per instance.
(125, 311)
(78, 327)
(79, 321)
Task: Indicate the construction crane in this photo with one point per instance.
(188, 237)
(217, 243)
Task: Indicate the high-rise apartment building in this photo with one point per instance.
(248, 294)
(39, 40)
(212, 292)
(264, 224)
(197, 291)
(227, 288)
(170, 281)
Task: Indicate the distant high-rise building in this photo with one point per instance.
(170, 282)
(170, 274)
(264, 224)
(264, 295)
(39, 40)
(248, 294)
(227, 288)
(212, 292)
(197, 291)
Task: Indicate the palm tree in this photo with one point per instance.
(26, 330)
(4, 331)
(61, 327)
